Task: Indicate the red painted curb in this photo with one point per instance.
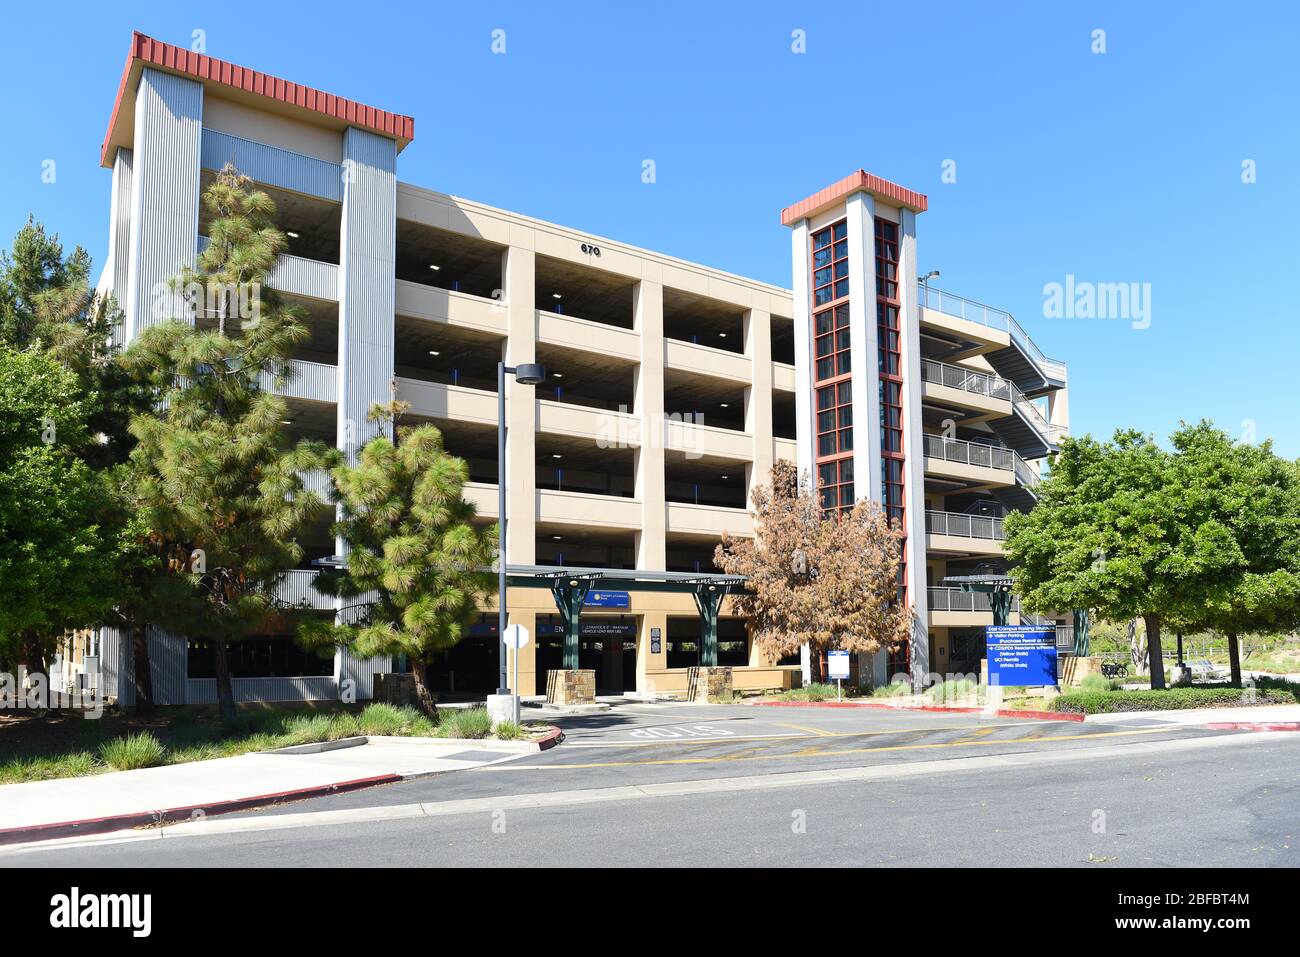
(550, 739)
(999, 713)
(1254, 726)
(120, 822)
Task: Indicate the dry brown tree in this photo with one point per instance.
(825, 578)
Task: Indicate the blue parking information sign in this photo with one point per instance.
(1021, 655)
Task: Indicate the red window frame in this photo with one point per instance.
(889, 334)
(832, 366)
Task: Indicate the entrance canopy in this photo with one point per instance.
(571, 586)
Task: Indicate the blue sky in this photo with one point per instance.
(1117, 167)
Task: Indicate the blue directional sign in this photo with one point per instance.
(1021, 655)
(608, 599)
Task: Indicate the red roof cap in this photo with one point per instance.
(861, 181)
(242, 83)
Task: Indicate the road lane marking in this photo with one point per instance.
(573, 742)
(820, 732)
(214, 826)
(819, 752)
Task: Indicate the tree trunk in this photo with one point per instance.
(1154, 652)
(423, 694)
(1234, 658)
(815, 671)
(225, 690)
(30, 654)
(143, 677)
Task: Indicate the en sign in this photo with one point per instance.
(837, 662)
(1021, 655)
(608, 599)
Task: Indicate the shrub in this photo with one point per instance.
(1095, 683)
(384, 719)
(509, 731)
(1114, 702)
(140, 750)
(895, 689)
(308, 729)
(464, 723)
(817, 691)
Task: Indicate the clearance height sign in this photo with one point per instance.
(1021, 655)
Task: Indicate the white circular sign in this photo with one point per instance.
(516, 637)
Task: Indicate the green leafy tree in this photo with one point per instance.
(55, 551)
(1105, 536)
(38, 284)
(416, 570)
(221, 492)
(1244, 501)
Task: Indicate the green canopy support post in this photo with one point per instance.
(570, 595)
(708, 599)
(1081, 643)
(1000, 600)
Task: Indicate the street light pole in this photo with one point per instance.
(525, 374)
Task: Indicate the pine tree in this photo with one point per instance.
(222, 494)
(417, 567)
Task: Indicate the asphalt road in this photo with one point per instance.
(684, 785)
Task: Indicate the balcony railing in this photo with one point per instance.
(954, 599)
(969, 453)
(972, 311)
(297, 589)
(967, 380)
(979, 454)
(962, 525)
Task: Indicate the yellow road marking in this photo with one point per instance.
(819, 732)
(814, 752)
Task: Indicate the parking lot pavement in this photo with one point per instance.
(645, 744)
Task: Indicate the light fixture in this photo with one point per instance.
(433, 267)
(291, 234)
(558, 538)
(530, 373)
(434, 352)
(286, 421)
(724, 405)
(556, 295)
(932, 274)
(557, 375)
(725, 476)
(556, 455)
(722, 335)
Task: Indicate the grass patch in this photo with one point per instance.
(464, 723)
(140, 750)
(817, 691)
(895, 689)
(1170, 699)
(509, 731)
(954, 690)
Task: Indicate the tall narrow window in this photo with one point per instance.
(889, 333)
(832, 366)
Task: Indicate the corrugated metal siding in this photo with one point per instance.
(115, 662)
(167, 661)
(272, 165)
(367, 282)
(362, 671)
(367, 295)
(165, 188)
(306, 277)
(317, 381)
(297, 589)
(312, 688)
(119, 237)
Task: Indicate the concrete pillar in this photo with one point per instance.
(806, 434)
(648, 318)
(367, 291)
(914, 479)
(164, 193)
(521, 408)
(864, 347)
(758, 396)
(527, 656)
(646, 658)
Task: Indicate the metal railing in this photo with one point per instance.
(967, 380)
(979, 454)
(969, 453)
(969, 309)
(962, 525)
(993, 386)
(943, 598)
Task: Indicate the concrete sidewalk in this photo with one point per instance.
(41, 810)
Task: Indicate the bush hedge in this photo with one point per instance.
(1171, 699)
